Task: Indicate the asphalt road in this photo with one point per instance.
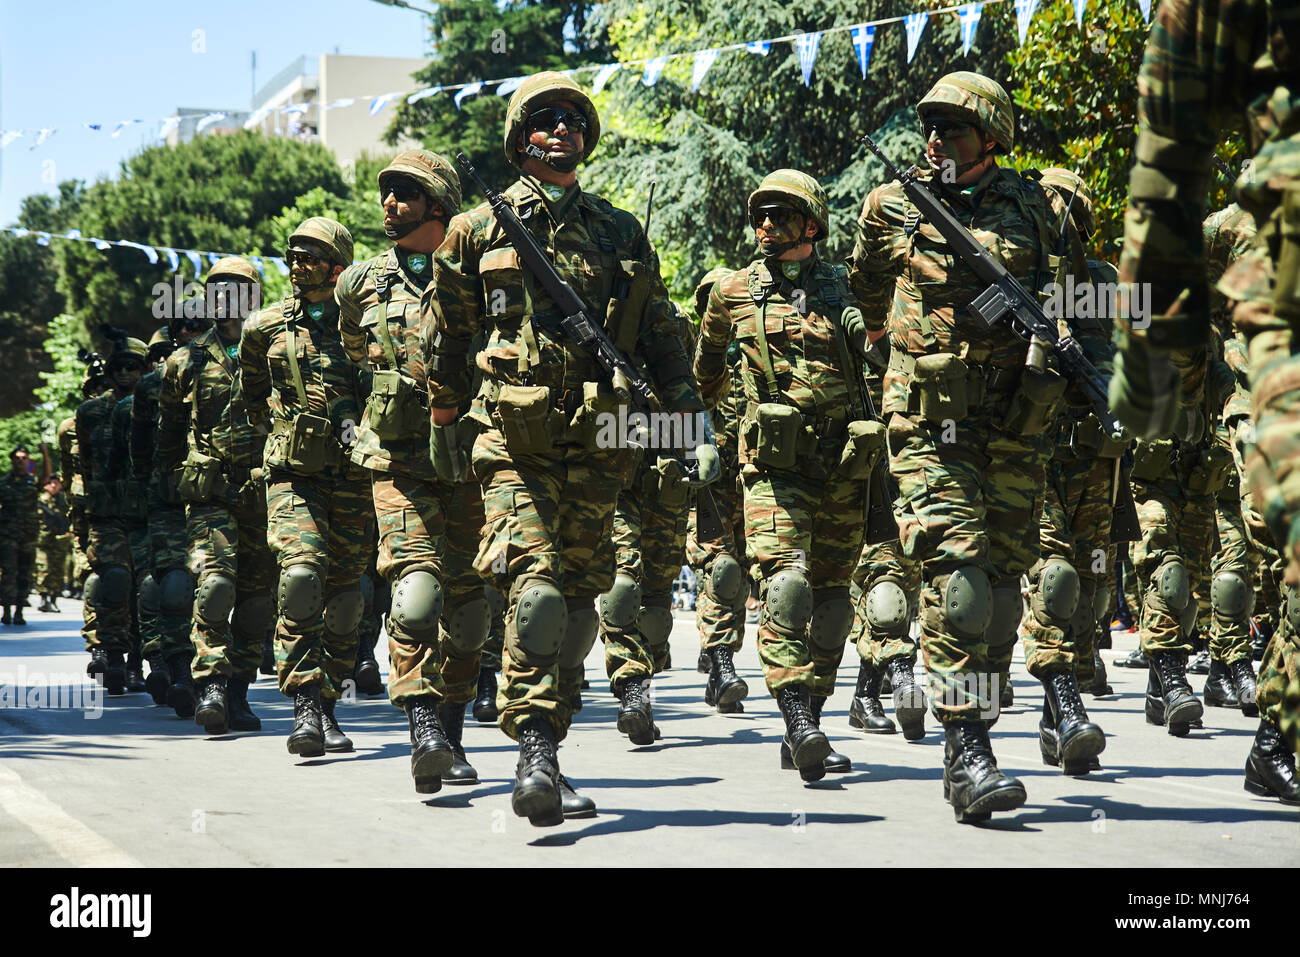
(139, 786)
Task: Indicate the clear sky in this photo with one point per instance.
(67, 63)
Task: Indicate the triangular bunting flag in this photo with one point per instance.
(117, 130)
(195, 261)
(915, 24)
(652, 70)
(759, 46)
(149, 251)
(349, 100)
(424, 94)
(509, 86)
(169, 124)
(602, 76)
(1024, 14)
(379, 102)
(703, 60)
(467, 91)
(1145, 7)
(863, 37)
(969, 16)
(806, 44)
(172, 258)
(1079, 7)
(207, 121)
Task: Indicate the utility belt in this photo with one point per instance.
(779, 436)
(1204, 471)
(943, 387)
(205, 479)
(304, 444)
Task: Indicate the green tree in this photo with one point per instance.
(60, 394)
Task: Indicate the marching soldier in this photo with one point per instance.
(19, 529)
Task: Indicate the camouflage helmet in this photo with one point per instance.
(160, 344)
(333, 235)
(534, 93)
(233, 267)
(129, 346)
(705, 287)
(432, 173)
(790, 187)
(1071, 184)
(976, 98)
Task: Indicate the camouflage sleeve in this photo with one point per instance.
(711, 369)
(660, 344)
(85, 467)
(254, 377)
(878, 255)
(451, 315)
(119, 458)
(66, 433)
(347, 293)
(173, 418)
(143, 414)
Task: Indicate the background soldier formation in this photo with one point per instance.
(430, 411)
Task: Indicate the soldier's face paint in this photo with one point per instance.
(563, 144)
(307, 271)
(405, 206)
(777, 228)
(950, 142)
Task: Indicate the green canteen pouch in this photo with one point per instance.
(394, 409)
(940, 383)
(202, 478)
(585, 429)
(671, 488)
(1035, 402)
(1090, 441)
(776, 444)
(1152, 460)
(863, 446)
(1214, 468)
(524, 414)
(308, 443)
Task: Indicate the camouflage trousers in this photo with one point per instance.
(491, 656)
(549, 517)
(815, 527)
(53, 554)
(169, 547)
(325, 521)
(883, 561)
(970, 494)
(649, 543)
(108, 622)
(722, 532)
(144, 619)
(435, 527)
(230, 539)
(378, 598)
(1075, 527)
(1175, 524)
(16, 562)
(1230, 641)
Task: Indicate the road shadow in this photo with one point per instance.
(630, 820)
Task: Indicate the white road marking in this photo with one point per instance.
(69, 838)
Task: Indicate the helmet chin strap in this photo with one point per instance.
(405, 229)
(562, 164)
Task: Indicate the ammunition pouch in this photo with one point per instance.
(305, 445)
(665, 481)
(202, 478)
(1152, 460)
(778, 429)
(1212, 471)
(626, 304)
(1035, 403)
(585, 428)
(863, 447)
(397, 407)
(939, 388)
(524, 416)
(1088, 440)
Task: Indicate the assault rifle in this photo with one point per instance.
(1007, 301)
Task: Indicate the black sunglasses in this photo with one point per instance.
(295, 256)
(944, 126)
(550, 117)
(781, 216)
(403, 191)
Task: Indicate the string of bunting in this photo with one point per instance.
(153, 253)
(806, 45)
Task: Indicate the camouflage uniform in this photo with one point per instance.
(19, 528)
(108, 547)
(70, 474)
(203, 414)
(319, 521)
(53, 545)
(426, 527)
(135, 515)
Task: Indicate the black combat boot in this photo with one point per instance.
(135, 682)
(1260, 633)
(6, 618)
(574, 804)
(431, 753)
(865, 710)
(1006, 692)
(159, 680)
(705, 664)
(335, 740)
(239, 716)
(47, 604)
(307, 739)
(98, 663)
(635, 716)
(180, 696)
(835, 762)
(1134, 659)
(115, 675)
(803, 740)
(1099, 685)
(212, 708)
(1270, 769)
(452, 719)
(366, 673)
(1170, 699)
(268, 657)
(1199, 663)
(909, 699)
(536, 794)
(485, 700)
(19, 620)
(1243, 677)
(724, 686)
(1066, 738)
(1219, 691)
(972, 783)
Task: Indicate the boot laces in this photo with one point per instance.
(425, 719)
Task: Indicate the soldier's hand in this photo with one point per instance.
(708, 464)
(448, 456)
(1145, 391)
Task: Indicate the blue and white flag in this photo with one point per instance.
(509, 86)
(214, 258)
(1145, 7)
(1025, 10)
(703, 60)
(72, 234)
(466, 91)
(195, 261)
(9, 136)
(379, 102)
(863, 36)
(652, 70)
(257, 263)
(96, 127)
(349, 100)
(43, 238)
(1079, 7)
(969, 16)
(207, 121)
(294, 109)
(117, 130)
(806, 44)
(759, 46)
(915, 24)
(149, 251)
(41, 136)
(416, 97)
(280, 265)
(172, 258)
(602, 76)
(168, 125)
(101, 244)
